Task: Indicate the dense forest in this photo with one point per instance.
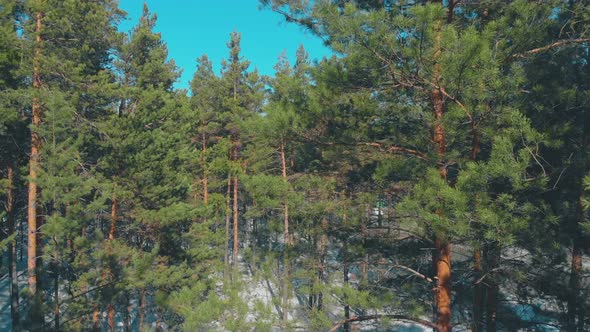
(434, 174)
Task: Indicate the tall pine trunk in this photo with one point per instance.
(442, 246)
(575, 316)
(235, 214)
(34, 158)
(142, 304)
(56, 312)
(227, 220)
(114, 208)
(111, 317)
(477, 324)
(287, 239)
(478, 289)
(204, 162)
(12, 259)
(492, 259)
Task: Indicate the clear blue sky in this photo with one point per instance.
(192, 28)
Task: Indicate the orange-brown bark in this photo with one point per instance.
(34, 165)
(113, 227)
(96, 319)
(443, 247)
(111, 317)
(443, 289)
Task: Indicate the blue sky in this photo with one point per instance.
(192, 28)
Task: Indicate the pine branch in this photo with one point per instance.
(550, 46)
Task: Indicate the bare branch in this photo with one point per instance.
(550, 46)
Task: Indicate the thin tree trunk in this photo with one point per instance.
(96, 319)
(235, 210)
(112, 232)
(56, 287)
(12, 268)
(142, 303)
(111, 317)
(127, 319)
(114, 207)
(492, 256)
(321, 269)
(287, 240)
(478, 289)
(159, 319)
(346, 327)
(227, 220)
(204, 163)
(286, 235)
(477, 325)
(575, 281)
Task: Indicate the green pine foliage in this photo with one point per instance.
(437, 125)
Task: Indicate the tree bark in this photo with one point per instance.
(111, 317)
(114, 207)
(35, 315)
(142, 303)
(96, 319)
(34, 165)
(443, 289)
(345, 271)
(443, 247)
(12, 259)
(287, 238)
(477, 324)
(235, 213)
(575, 319)
(204, 162)
(227, 220)
(56, 312)
(492, 256)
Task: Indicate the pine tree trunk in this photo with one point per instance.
(235, 212)
(56, 312)
(286, 235)
(142, 304)
(477, 325)
(443, 248)
(321, 269)
(287, 240)
(345, 271)
(227, 220)
(492, 257)
(127, 319)
(12, 259)
(159, 320)
(113, 227)
(111, 317)
(96, 319)
(443, 289)
(575, 281)
(204, 163)
(33, 166)
(35, 314)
